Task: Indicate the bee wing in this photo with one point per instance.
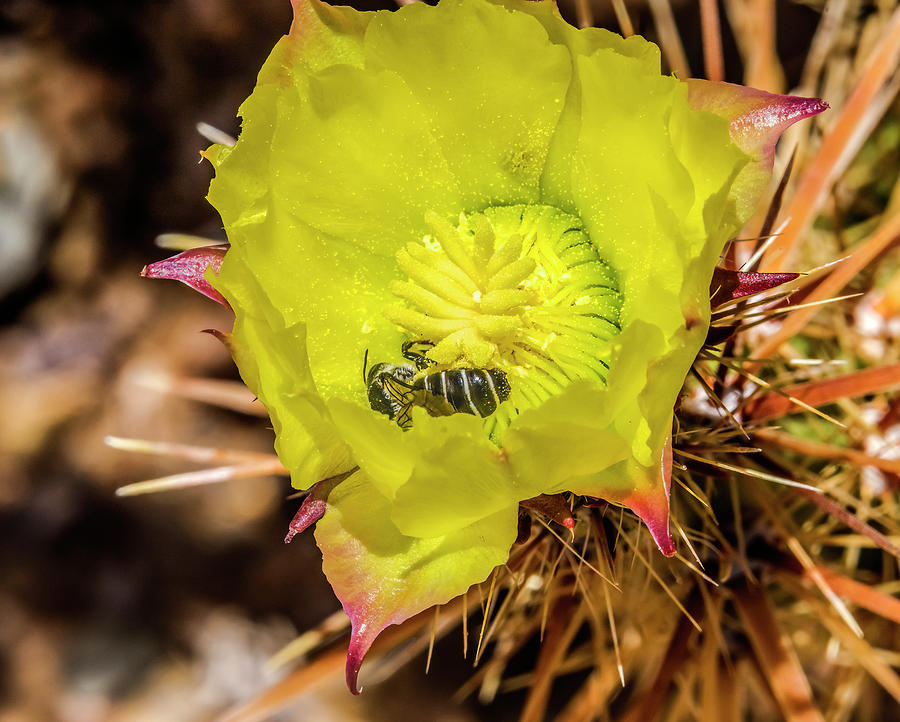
(404, 418)
(402, 393)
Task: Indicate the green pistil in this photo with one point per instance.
(521, 289)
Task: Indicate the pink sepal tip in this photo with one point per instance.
(189, 267)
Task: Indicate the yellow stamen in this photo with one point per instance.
(515, 288)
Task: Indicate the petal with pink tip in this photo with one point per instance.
(643, 490)
(190, 268)
(756, 121)
(652, 504)
(313, 507)
(383, 577)
(756, 118)
(727, 285)
(323, 35)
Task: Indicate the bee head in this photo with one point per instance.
(380, 398)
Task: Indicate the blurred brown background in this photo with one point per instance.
(157, 607)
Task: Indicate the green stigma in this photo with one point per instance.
(520, 289)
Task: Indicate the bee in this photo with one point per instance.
(394, 390)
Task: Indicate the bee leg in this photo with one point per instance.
(417, 357)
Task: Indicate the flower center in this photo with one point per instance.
(520, 289)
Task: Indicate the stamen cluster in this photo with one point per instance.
(517, 288)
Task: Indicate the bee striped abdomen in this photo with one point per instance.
(469, 391)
